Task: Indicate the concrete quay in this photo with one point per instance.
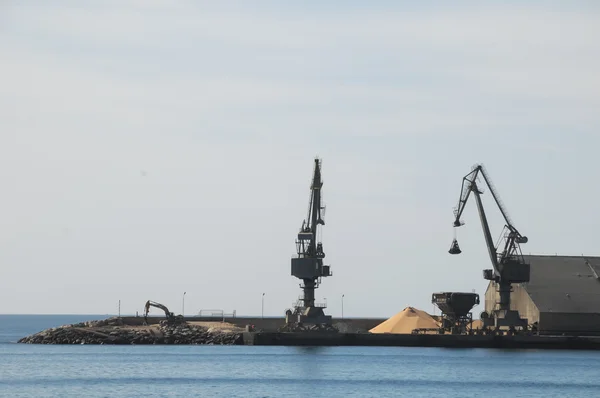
(422, 340)
(268, 324)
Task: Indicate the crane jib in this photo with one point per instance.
(513, 238)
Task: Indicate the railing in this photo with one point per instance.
(212, 314)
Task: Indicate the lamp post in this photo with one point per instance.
(262, 307)
(183, 305)
(325, 299)
(342, 306)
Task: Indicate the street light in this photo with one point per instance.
(262, 308)
(342, 306)
(183, 305)
(325, 299)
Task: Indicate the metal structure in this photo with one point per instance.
(509, 265)
(220, 315)
(456, 310)
(170, 317)
(308, 266)
(562, 297)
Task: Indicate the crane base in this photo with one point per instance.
(505, 318)
(308, 319)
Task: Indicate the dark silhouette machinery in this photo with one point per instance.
(308, 266)
(456, 311)
(171, 318)
(509, 265)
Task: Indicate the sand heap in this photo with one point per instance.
(477, 324)
(405, 321)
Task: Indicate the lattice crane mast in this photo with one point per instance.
(509, 265)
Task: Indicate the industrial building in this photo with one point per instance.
(561, 297)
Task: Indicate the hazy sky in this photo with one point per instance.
(149, 148)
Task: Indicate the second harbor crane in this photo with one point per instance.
(508, 265)
(309, 267)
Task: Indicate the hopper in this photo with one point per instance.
(456, 304)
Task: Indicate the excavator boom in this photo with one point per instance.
(149, 304)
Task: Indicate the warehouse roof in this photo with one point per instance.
(564, 283)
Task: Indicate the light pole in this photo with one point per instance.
(183, 304)
(325, 299)
(262, 307)
(342, 306)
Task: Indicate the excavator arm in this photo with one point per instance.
(149, 304)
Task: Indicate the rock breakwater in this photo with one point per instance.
(112, 331)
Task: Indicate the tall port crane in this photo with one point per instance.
(308, 266)
(509, 265)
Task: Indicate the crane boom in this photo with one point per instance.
(495, 195)
(486, 230)
(513, 237)
(467, 187)
(314, 218)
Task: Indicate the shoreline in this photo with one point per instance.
(117, 331)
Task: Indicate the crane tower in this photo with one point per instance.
(308, 265)
(508, 265)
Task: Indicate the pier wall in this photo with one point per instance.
(355, 325)
(316, 339)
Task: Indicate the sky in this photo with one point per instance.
(151, 148)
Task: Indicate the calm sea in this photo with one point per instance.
(237, 371)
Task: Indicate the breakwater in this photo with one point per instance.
(115, 331)
(155, 330)
(123, 331)
(271, 324)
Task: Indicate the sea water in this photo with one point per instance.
(240, 371)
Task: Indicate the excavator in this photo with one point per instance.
(508, 265)
(172, 319)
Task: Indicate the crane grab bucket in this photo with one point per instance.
(454, 249)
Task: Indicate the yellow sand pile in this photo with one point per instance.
(477, 324)
(405, 321)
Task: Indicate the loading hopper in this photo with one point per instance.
(457, 304)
